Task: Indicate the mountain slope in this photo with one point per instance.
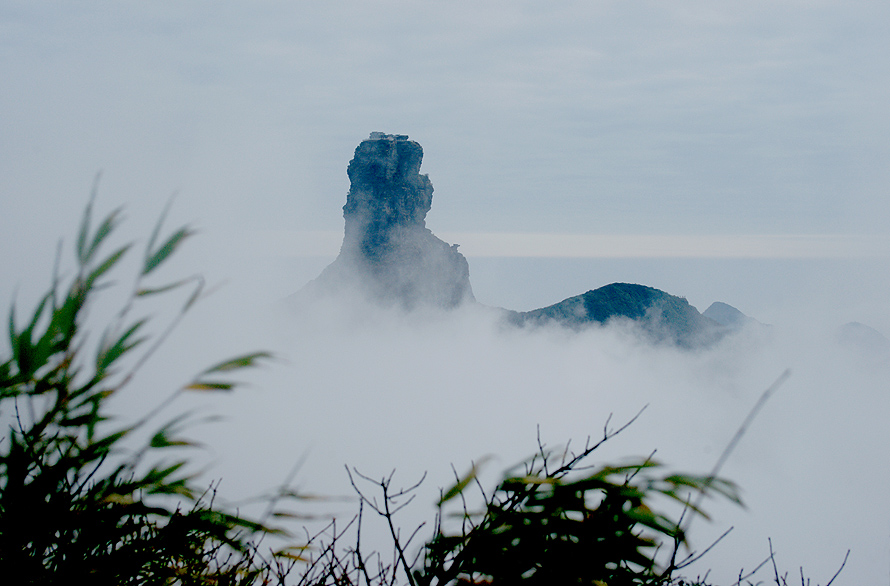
(663, 317)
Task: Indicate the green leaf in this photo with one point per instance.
(196, 294)
(293, 552)
(64, 321)
(104, 229)
(210, 386)
(144, 292)
(100, 448)
(76, 421)
(25, 356)
(103, 267)
(154, 259)
(108, 355)
(161, 439)
(13, 334)
(463, 482)
(158, 475)
(83, 233)
(156, 231)
(245, 361)
(37, 313)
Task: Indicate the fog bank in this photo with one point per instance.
(381, 390)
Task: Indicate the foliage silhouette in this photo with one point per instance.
(75, 505)
(561, 521)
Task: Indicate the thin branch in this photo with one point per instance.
(693, 557)
(772, 557)
(844, 563)
(740, 432)
(752, 572)
(388, 513)
(607, 435)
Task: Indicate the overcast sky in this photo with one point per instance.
(744, 129)
(571, 117)
(732, 151)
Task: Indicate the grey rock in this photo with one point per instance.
(388, 254)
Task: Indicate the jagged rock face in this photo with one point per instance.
(388, 252)
(386, 191)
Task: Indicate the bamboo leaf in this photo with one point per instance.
(37, 313)
(120, 499)
(293, 552)
(84, 231)
(161, 439)
(245, 361)
(210, 386)
(463, 482)
(24, 354)
(13, 335)
(154, 259)
(196, 294)
(143, 292)
(64, 321)
(104, 266)
(292, 515)
(157, 475)
(104, 229)
(156, 231)
(108, 355)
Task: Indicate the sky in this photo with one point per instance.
(728, 152)
(573, 130)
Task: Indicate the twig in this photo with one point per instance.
(724, 456)
(588, 449)
(752, 572)
(388, 512)
(839, 569)
(772, 557)
(740, 432)
(693, 557)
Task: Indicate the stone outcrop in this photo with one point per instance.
(660, 316)
(388, 253)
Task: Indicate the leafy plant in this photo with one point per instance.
(562, 521)
(555, 519)
(75, 505)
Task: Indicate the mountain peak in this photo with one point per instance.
(388, 253)
(661, 316)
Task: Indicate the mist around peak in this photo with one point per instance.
(388, 254)
(389, 257)
(381, 389)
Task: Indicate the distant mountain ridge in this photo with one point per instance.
(662, 316)
(391, 257)
(863, 339)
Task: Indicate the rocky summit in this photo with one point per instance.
(660, 316)
(388, 253)
(390, 257)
